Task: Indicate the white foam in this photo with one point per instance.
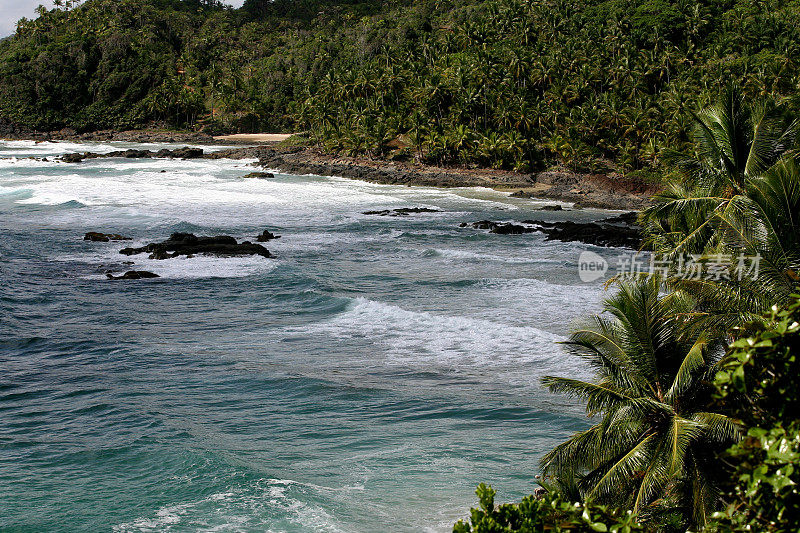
(211, 192)
(207, 192)
(466, 255)
(470, 197)
(523, 289)
(197, 267)
(250, 507)
(11, 163)
(411, 337)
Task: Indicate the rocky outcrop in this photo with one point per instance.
(104, 237)
(618, 231)
(129, 154)
(178, 153)
(309, 160)
(267, 236)
(610, 191)
(259, 175)
(181, 153)
(597, 233)
(188, 244)
(400, 212)
(73, 158)
(500, 228)
(133, 274)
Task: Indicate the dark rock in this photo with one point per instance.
(630, 218)
(409, 210)
(597, 233)
(266, 236)
(484, 224)
(614, 232)
(521, 194)
(104, 237)
(554, 207)
(131, 154)
(401, 212)
(500, 228)
(259, 175)
(189, 244)
(188, 153)
(72, 158)
(134, 274)
(511, 229)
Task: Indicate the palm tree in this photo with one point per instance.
(738, 195)
(653, 445)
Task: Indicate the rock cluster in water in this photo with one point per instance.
(401, 212)
(178, 153)
(189, 245)
(259, 175)
(133, 274)
(618, 231)
(501, 228)
(104, 237)
(267, 236)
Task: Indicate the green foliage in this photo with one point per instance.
(295, 141)
(666, 403)
(577, 84)
(736, 194)
(652, 448)
(761, 373)
(502, 83)
(758, 383)
(547, 512)
(760, 377)
(766, 497)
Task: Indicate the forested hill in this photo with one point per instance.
(509, 83)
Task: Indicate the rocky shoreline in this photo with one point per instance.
(605, 191)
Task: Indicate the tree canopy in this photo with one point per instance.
(506, 83)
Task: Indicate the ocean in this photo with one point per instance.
(365, 379)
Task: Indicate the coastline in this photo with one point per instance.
(605, 191)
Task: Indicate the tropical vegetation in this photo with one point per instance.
(689, 435)
(694, 396)
(655, 432)
(595, 84)
(760, 378)
(549, 512)
(736, 195)
(758, 382)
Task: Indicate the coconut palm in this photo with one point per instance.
(654, 441)
(735, 145)
(739, 195)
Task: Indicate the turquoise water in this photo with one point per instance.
(365, 379)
